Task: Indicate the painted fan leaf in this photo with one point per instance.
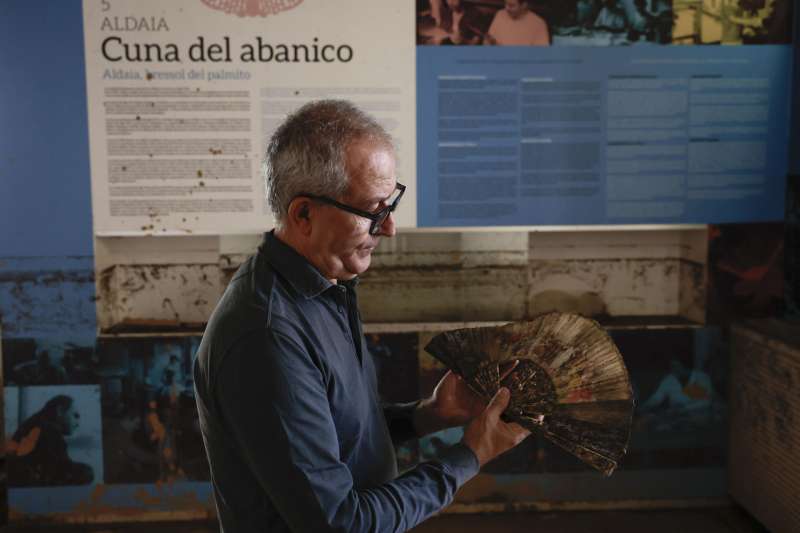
(570, 381)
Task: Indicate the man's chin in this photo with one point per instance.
(360, 262)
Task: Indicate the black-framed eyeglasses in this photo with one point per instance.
(377, 218)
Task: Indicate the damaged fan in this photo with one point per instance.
(570, 382)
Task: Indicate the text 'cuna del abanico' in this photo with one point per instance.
(114, 48)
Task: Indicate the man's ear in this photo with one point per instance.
(299, 214)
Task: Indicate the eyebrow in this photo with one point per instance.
(378, 199)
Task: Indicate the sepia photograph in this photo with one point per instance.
(732, 22)
(473, 22)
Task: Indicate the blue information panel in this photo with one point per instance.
(567, 135)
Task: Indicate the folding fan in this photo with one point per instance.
(570, 381)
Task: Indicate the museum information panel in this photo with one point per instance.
(649, 134)
(184, 96)
(505, 113)
(617, 112)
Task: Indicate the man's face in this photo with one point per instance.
(515, 8)
(341, 241)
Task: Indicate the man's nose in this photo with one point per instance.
(388, 228)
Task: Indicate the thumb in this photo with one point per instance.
(499, 402)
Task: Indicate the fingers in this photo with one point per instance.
(498, 403)
(520, 433)
(451, 375)
(518, 428)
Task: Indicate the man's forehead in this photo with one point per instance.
(372, 189)
(371, 168)
(363, 150)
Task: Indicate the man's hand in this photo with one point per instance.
(488, 436)
(452, 403)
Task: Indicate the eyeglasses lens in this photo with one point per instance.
(375, 228)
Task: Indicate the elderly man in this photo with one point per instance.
(285, 387)
(517, 25)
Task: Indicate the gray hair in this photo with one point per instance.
(307, 154)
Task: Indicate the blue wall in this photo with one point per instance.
(45, 201)
(46, 256)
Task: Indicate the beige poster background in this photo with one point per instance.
(183, 97)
